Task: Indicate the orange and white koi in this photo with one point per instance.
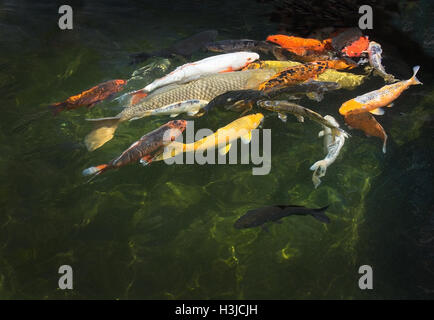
(374, 100)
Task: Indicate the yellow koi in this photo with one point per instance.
(222, 138)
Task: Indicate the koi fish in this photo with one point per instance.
(144, 148)
(300, 46)
(283, 107)
(216, 64)
(185, 47)
(374, 52)
(174, 99)
(345, 80)
(368, 124)
(222, 139)
(374, 100)
(90, 97)
(333, 144)
(259, 217)
(356, 48)
(303, 72)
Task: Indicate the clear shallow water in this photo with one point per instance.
(166, 232)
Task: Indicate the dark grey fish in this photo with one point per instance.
(258, 217)
(185, 47)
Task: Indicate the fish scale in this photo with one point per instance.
(205, 88)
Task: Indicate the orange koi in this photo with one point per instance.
(368, 124)
(299, 46)
(356, 48)
(303, 72)
(90, 97)
(374, 100)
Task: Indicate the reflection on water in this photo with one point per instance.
(167, 231)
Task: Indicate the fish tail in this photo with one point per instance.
(95, 170)
(415, 80)
(320, 215)
(319, 164)
(56, 108)
(384, 143)
(103, 132)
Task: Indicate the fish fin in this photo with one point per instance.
(299, 118)
(415, 80)
(225, 149)
(378, 111)
(103, 132)
(229, 69)
(321, 134)
(137, 96)
(174, 115)
(384, 143)
(282, 116)
(315, 96)
(320, 215)
(247, 137)
(319, 169)
(147, 159)
(390, 105)
(95, 170)
(56, 108)
(192, 112)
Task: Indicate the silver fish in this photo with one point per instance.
(374, 52)
(333, 144)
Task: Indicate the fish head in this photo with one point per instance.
(374, 48)
(331, 120)
(243, 59)
(267, 104)
(279, 39)
(246, 221)
(255, 119)
(351, 105)
(250, 57)
(215, 46)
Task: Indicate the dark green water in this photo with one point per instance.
(166, 232)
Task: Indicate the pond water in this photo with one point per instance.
(166, 232)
